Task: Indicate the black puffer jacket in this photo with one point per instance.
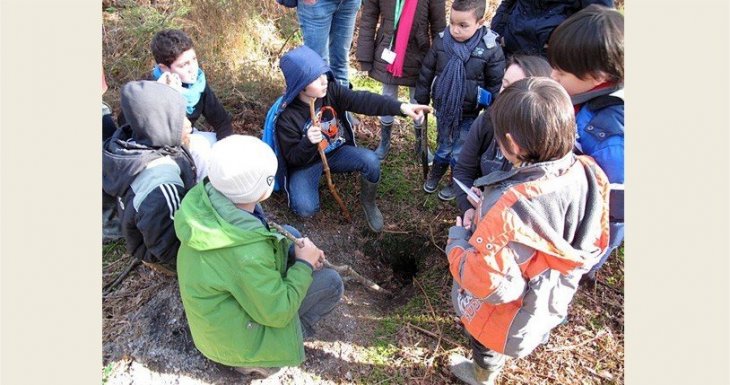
(429, 20)
(146, 167)
(485, 68)
(526, 25)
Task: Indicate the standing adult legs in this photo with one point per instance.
(340, 38)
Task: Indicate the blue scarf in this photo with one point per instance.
(448, 94)
(191, 92)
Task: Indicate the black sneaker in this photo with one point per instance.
(447, 193)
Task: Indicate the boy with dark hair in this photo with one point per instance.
(587, 56)
(462, 70)
(250, 295)
(309, 79)
(524, 26)
(539, 227)
(177, 66)
(147, 168)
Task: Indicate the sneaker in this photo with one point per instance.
(447, 193)
(260, 372)
(470, 373)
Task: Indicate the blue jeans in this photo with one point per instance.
(328, 26)
(449, 146)
(303, 184)
(322, 296)
(616, 236)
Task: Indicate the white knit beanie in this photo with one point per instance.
(242, 168)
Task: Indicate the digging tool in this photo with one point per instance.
(342, 269)
(321, 147)
(424, 147)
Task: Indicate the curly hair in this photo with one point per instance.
(169, 44)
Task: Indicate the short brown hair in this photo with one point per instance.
(477, 6)
(169, 44)
(539, 116)
(590, 42)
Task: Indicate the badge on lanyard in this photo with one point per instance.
(388, 55)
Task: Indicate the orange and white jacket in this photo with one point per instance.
(540, 228)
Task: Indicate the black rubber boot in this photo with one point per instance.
(434, 176)
(111, 225)
(384, 146)
(367, 198)
(419, 134)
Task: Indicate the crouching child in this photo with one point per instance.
(539, 227)
(309, 78)
(148, 169)
(250, 296)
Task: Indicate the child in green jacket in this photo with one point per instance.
(250, 296)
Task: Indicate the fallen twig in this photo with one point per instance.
(342, 269)
(432, 334)
(396, 231)
(430, 231)
(600, 334)
(346, 269)
(121, 276)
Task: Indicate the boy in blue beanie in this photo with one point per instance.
(462, 71)
(309, 78)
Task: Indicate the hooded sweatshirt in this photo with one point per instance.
(240, 300)
(145, 166)
(540, 228)
(301, 66)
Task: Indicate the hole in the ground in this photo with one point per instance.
(400, 251)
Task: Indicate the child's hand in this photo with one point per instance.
(172, 80)
(310, 253)
(314, 134)
(468, 218)
(415, 111)
(476, 191)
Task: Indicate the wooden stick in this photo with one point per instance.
(121, 276)
(432, 334)
(342, 269)
(321, 147)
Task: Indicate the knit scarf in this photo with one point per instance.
(191, 92)
(448, 93)
(402, 35)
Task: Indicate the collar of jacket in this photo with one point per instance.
(528, 172)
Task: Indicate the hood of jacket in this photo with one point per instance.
(208, 220)
(300, 67)
(537, 213)
(154, 114)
